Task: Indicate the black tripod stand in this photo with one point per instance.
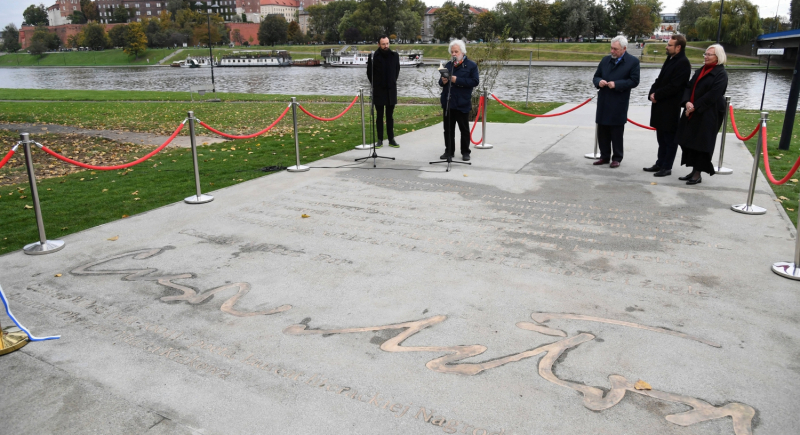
(374, 156)
(447, 115)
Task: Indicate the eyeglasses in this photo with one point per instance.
(708, 54)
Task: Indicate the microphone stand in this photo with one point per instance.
(447, 115)
(374, 156)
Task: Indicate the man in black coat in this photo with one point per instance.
(616, 75)
(383, 68)
(666, 94)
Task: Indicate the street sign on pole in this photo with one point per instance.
(770, 52)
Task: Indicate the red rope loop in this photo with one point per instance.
(481, 108)
(736, 130)
(249, 136)
(766, 161)
(6, 158)
(640, 125)
(542, 116)
(113, 168)
(319, 118)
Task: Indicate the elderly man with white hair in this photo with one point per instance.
(458, 89)
(616, 75)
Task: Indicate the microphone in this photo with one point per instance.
(454, 59)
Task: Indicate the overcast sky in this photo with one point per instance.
(11, 10)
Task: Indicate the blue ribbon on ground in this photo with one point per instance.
(30, 337)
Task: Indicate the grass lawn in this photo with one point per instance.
(110, 57)
(76, 200)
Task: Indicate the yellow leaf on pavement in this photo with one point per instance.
(114, 239)
(58, 275)
(642, 385)
(305, 216)
(653, 183)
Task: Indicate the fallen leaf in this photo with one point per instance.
(653, 183)
(135, 193)
(305, 216)
(124, 216)
(28, 207)
(105, 190)
(22, 197)
(114, 239)
(58, 275)
(642, 385)
(794, 180)
(790, 209)
(136, 199)
(783, 198)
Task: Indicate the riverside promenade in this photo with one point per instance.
(529, 293)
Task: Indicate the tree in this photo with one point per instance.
(774, 24)
(43, 40)
(369, 18)
(740, 23)
(135, 40)
(36, 15)
(74, 41)
(120, 15)
(236, 36)
(89, 10)
(448, 21)
(94, 36)
(324, 20)
(558, 19)
(292, 30)
(794, 14)
(408, 24)
(619, 12)
(77, 17)
(598, 19)
(352, 35)
(577, 17)
(688, 14)
(272, 30)
(174, 6)
(117, 35)
(639, 24)
(11, 39)
(485, 26)
(538, 18)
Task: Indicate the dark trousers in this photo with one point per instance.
(667, 148)
(389, 121)
(608, 136)
(450, 120)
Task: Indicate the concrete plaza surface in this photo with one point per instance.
(525, 294)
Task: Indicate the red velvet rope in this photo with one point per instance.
(329, 119)
(481, 108)
(6, 158)
(736, 130)
(766, 161)
(113, 168)
(249, 136)
(646, 127)
(541, 116)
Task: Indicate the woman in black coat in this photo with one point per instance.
(704, 108)
(464, 78)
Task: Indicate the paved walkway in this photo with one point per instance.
(525, 294)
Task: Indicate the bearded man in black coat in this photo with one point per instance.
(383, 68)
(666, 95)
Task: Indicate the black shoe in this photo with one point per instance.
(654, 168)
(465, 157)
(445, 156)
(393, 144)
(379, 144)
(693, 182)
(688, 177)
(663, 173)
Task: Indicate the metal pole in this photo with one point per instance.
(749, 208)
(198, 197)
(787, 269)
(719, 169)
(211, 54)
(298, 167)
(483, 145)
(528, 88)
(596, 153)
(43, 246)
(719, 25)
(364, 145)
(766, 75)
(791, 106)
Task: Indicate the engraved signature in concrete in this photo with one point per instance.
(188, 294)
(594, 398)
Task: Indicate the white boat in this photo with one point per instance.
(196, 62)
(256, 58)
(351, 57)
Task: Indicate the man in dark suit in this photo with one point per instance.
(616, 75)
(665, 95)
(383, 68)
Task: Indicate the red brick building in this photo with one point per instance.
(63, 32)
(249, 32)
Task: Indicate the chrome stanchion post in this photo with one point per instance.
(298, 167)
(43, 246)
(749, 208)
(364, 145)
(483, 145)
(785, 268)
(198, 197)
(719, 169)
(596, 154)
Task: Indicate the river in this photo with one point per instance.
(567, 84)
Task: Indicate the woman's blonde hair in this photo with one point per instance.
(720, 52)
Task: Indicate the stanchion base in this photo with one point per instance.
(593, 156)
(787, 269)
(723, 171)
(297, 168)
(13, 339)
(202, 199)
(363, 147)
(485, 146)
(744, 208)
(49, 247)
